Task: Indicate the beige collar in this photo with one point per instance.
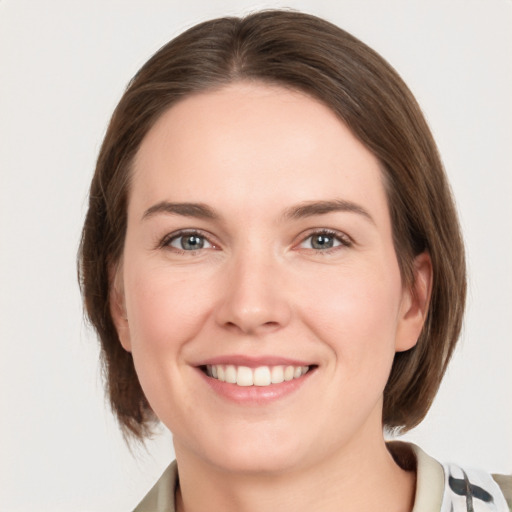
(429, 475)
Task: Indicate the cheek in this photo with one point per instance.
(356, 314)
(165, 308)
(165, 312)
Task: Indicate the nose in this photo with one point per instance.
(254, 300)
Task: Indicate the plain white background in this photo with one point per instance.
(63, 66)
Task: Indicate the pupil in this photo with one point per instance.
(192, 242)
(322, 242)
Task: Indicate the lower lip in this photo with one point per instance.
(255, 394)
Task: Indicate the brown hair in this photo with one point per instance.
(309, 54)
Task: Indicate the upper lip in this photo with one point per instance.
(253, 361)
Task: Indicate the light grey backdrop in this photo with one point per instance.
(63, 66)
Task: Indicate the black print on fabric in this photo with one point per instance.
(463, 487)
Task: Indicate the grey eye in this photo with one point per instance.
(190, 242)
(322, 241)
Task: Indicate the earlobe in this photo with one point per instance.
(415, 304)
(118, 307)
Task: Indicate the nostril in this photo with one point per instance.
(249, 328)
(232, 326)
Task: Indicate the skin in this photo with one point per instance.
(260, 287)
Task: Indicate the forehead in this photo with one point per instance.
(251, 141)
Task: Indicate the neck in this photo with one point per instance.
(352, 479)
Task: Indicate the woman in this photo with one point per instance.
(274, 266)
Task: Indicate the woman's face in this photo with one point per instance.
(259, 246)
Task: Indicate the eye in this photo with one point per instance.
(324, 240)
(188, 242)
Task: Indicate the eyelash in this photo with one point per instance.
(344, 241)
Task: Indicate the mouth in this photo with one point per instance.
(261, 376)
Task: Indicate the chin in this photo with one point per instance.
(243, 453)
(270, 462)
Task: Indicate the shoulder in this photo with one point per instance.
(475, 490)
(160, 498)
(505, 484)
(449, 487)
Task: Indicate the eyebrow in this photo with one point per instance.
(306, 209)
(196, 210)
(311, 208)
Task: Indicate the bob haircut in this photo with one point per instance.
(304, 53)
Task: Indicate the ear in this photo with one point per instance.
(415, 303)
(117, 305)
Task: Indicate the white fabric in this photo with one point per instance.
(469, 490)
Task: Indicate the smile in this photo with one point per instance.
(260, 376)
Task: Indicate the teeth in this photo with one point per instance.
(277, 374)
(260, 376)
(244, 376)
(289, 372)
(231, 374)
